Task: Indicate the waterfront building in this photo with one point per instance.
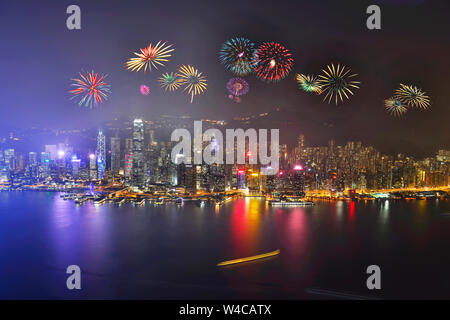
(138, 169)
(101, 154)
(115, 155)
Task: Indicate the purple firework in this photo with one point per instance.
(237, 87)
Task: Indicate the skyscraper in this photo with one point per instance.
(32, 158)
(101, 154)
(92, 167)
(10, 160)
(44, 171)
(52, 151)
(33, 166)
(138, 169)
(75, 167)
(115, 155)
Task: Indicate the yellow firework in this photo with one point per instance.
(337, 82)
(412, 97)
(169, 81)
(193, 81)
(395, 107)
(151, 56)
(308, 83)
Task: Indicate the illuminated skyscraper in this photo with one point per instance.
(52, 151)
(32, 158)
(44, 171)
(75, 167)
(240, 177)
(92, 167)
(33, 168)
(10, 160)
(138, 169)
(115, 155)
(101, 154)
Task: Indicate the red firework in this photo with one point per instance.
(272, 62)
(90, 89)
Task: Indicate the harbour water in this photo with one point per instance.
(171, 251)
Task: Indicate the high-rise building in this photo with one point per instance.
(92, 167)
(128, 145)
(33, 169)
(32, 158)
(52, 151)
(75, 167)
(115, 155)
(10, 160)
(128, 164)
(44, 171)
(138, 170)
(101, 154)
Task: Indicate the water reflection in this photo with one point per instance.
(245, 227)
(78, 234)
(326, 244)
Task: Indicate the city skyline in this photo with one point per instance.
(137, 158)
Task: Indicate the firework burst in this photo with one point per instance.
(145, 90)
(193, 81)
(237, 54)
(169, 81)
(337, 82)
(237, 87)
(412, 97)
(272, 62)
(151, 56)
(308, 83)
(395, 107)
(90, 89)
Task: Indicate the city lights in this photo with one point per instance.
(238, 151)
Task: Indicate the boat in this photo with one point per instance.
(290, 203)
(252, 258)
(68, 196)
(79, 200)
(99, 201)
(139, 202)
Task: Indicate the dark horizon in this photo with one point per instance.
(41, 56)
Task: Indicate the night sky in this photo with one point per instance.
(40, 55)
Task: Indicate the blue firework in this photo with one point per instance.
(237, 54)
